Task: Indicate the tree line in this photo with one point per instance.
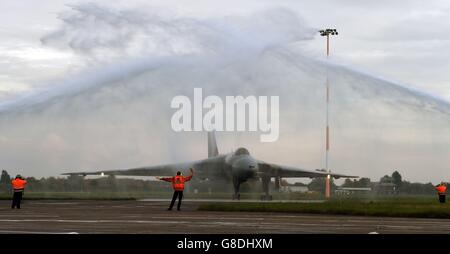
(387, 185)
(80, 184)
(393, 184)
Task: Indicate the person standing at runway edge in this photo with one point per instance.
(18, 185)
(441, 189)
(178, 187)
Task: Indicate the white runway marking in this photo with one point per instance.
(29, 215)
(34, 232)
(97, 221)
(54, 203)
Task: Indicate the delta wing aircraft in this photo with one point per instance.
(237, 167)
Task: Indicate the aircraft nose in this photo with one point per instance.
(245, 168)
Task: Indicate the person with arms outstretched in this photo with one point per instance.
(178, 187)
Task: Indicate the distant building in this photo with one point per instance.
(352, 190)
(386, 188)
(294, 188)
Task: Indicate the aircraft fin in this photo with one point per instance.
(212, 145)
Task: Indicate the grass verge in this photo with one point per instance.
(395, 207)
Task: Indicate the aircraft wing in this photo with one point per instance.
(287, 171)
(160, 170)
(202, 169)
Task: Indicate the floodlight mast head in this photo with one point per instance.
(327, 32)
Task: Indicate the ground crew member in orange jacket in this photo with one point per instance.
(178, 187)
(18, 185)
(441, 189)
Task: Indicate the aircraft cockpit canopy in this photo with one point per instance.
(241, 151)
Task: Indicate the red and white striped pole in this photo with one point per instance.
(327, 33)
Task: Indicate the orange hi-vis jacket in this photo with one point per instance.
(18, 184)
(177, 181)
(441, 189)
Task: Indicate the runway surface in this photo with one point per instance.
(149, 217)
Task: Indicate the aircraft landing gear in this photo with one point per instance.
(236, 185)
(266, 197)
(265, 185)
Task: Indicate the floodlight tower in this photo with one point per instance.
(327, 32)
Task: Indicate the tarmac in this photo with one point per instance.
(151, 217)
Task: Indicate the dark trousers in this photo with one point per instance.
(176, 194)
(441, 198)
(17, 198)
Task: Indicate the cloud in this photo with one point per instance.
(105, 32)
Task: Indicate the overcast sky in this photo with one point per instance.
(405, 41)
